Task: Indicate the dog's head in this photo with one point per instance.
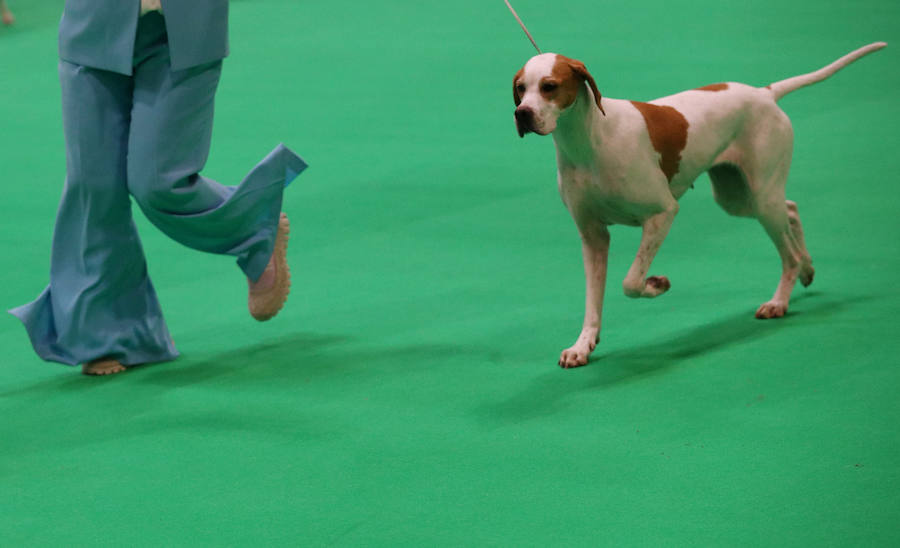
(545, 87)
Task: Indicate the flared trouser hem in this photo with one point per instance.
(144, 340)
(77, 328)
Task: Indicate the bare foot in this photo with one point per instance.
(268, 294)
(8, 18)
(103, 366)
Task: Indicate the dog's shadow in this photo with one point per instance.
(549, 392)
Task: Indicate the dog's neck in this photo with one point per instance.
(576, 131)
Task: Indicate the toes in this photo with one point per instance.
(659, 283)
(655, 286)
(102, 367)
(571, 358)
(771, 310)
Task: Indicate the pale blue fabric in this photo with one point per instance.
(147, 135)
(100, 33)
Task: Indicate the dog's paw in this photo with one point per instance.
(656, 285)
(653, 286)
(806, 275)
(771, 309)
(573, 357)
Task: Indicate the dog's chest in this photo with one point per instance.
(593, 198)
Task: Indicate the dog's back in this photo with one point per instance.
(718, 116)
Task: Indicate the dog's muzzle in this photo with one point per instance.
(524, 121)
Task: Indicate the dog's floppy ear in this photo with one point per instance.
(516, 97)
(579, 69)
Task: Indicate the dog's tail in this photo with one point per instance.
(782, 88)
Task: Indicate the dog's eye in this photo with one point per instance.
(520, 88)
(549, 87)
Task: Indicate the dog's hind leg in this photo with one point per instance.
(595, 251)
(762, 157)
(776, 217)
(732, 193)
(655, 229)
(806, 268)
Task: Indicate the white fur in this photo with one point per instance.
(609, 173)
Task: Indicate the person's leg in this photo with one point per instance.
(171, 129)
(100, 304)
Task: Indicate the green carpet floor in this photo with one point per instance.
(408, 395)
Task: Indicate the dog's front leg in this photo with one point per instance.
(655, 229)
(595, 251)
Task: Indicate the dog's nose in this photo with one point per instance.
(524, 120)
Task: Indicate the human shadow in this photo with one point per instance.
(183, 370)
(301, 366)
(281, 354)
(301, 359)
(548, 393)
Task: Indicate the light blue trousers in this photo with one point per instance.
(148, 136)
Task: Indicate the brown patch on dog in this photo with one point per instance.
(516, 97)
(668, 134)
(569, 76)
(714, 87)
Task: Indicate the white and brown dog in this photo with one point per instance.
(626, 162)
